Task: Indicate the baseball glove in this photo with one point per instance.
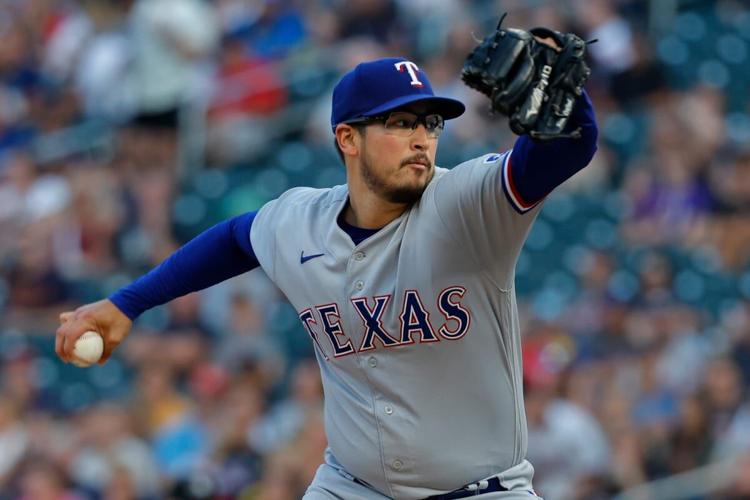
(532, 83)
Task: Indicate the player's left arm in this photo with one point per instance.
(534, 168)
(493, 200)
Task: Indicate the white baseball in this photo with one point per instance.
(88, 349)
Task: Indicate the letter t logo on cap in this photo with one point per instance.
(412, 69)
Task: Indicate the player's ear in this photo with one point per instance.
(347, 139)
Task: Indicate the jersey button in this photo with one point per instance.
(359, 256)
(372, 362)
(359, 285)
(397, 464)
(388, 409)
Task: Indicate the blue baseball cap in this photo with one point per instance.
(374, 87)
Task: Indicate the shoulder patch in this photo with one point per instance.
(492, 158)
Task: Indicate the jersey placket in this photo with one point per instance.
(359, 285)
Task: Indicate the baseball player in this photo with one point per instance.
(403, 280)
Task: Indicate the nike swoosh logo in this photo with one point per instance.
(304, 258)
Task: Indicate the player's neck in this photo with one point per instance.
(367, 210)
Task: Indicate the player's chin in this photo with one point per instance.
(405, 195)
(408, 192)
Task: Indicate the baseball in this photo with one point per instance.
(88, 349)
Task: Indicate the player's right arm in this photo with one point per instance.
(215, 255)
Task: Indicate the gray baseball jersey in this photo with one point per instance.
(415, 329)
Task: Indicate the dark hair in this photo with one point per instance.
(361, 127)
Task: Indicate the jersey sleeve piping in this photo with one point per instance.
(511, 191)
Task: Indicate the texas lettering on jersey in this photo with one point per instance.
(414, 324)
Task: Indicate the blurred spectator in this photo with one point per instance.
(643, 81)
(285, 420)
(586, 317)
(667, 200)
(40, 479)
(13, 440)
(238, 463)
(121, 486)
(738, 330)
(179, 440)
(309, 447)
(172, 42)
(84, 241)
(730, 411)
(180, 345)
(614, 52)
(247, 91)
(51, 437)
(19, 383)
(731, 187)
(109, 453)
(566, 444)
(171, 39)
(656, 276)
(246, 84)
(18, 77)
(684, 345)
(377, 19)
(30, 194)
(92, 49)
(147, 238)
(246, 342)
(740, 485)
(278, 28)
(278, 481)
(656, 407)
(690, 442)
(34, 282)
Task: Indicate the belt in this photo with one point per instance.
(473, 489)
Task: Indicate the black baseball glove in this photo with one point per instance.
(532, 83)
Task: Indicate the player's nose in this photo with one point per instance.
(419, 138)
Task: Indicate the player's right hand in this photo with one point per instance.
(103, 317)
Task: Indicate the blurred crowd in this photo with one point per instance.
(127, 126)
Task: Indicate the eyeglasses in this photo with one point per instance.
(403, 124)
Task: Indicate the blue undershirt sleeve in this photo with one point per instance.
(217, 254)
(539, 167)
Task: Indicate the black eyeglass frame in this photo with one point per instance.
(383, 119)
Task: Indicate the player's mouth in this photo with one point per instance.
(417, 162)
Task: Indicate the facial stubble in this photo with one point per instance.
(394, 194)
